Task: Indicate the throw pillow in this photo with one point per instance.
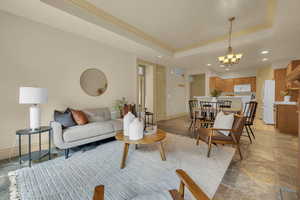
(64, 118)
(223, 121)
(79, 117)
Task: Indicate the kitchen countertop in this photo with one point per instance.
(285, 103)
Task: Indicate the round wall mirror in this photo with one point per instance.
(93, 82)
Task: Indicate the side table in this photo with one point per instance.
(30, 132)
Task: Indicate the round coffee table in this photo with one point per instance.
(157, 137)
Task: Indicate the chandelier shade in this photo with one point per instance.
(230, 58)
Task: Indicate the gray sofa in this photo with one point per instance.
(100, 127)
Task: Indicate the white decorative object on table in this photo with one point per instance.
(136, 129)
(223, 121)
(128, 118)
(287, 98)
(34, 96)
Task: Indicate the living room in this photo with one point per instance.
(96, 99)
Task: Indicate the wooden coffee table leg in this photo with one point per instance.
(162, 151)
(125, 152)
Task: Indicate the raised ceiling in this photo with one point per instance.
(183, 24)
(186, 33)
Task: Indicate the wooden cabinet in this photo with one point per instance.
(292, 66)
(216, 83)
(227, 85)
(287, 118)
(294, 77)
(280, 83)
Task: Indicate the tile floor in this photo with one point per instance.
(268, 171)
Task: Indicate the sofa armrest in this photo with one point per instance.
(57, 134)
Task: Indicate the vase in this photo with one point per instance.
(287, 98)
(128, 119)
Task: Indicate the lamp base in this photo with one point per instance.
(35, 117)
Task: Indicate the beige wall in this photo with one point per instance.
(262, 74)
(32, 54)
(176, 94)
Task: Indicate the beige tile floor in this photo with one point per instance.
(268, 170)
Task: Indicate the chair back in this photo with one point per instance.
(225, 103)
(193, 103)
(238, 126)
(210, 109)
(250, 111)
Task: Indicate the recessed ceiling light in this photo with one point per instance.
(222, 65)
(265, 52)
(159, 56)
(227, 69)
(265, 59)
(208, 64)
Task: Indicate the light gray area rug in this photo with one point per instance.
(145, 173)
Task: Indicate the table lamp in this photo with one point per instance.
(34, 96)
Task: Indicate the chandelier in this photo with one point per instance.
(231, 58)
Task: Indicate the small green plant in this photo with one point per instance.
(285, 93)
(215, 93)
(119, 104)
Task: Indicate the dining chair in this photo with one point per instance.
(185, 182)
(193, 104)
(213, 135)
(249, 113)
(225, 103)
(209, 111)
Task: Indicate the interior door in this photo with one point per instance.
(160, 93)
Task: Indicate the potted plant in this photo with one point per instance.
(119, 105)
(286, 95)
(214, 94)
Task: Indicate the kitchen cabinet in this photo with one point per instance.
(294, 77)
(227, 85)
(286, 118)
(292, 66)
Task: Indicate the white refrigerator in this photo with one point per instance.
(268, 101)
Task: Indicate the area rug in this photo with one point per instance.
(145, 173)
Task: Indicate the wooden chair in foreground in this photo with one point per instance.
(185, 182)
(212, 135)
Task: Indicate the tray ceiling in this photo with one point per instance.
(181, 25)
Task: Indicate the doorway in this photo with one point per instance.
(151, 89)
(197, 85)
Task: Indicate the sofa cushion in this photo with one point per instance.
(87, 131)
(98, 114)
(79, 117)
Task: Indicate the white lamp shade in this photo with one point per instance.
(31, 95)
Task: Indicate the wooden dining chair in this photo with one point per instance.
(185, 182)
(225, 103)
(213, 136)
(209, 111)
(193, 104)
(249, 113)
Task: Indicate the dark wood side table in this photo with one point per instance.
(29, 132)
